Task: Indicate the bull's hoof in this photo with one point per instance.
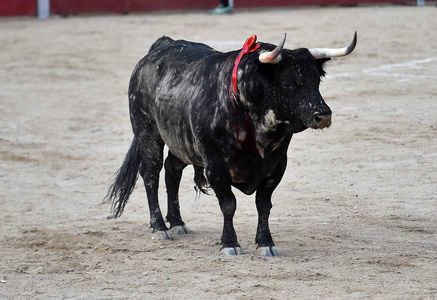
(161, 235)
(180, 229)
(232, 251)
(268, 251)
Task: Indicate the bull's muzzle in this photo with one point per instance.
(321, 121)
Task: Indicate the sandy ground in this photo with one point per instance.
(355, 216)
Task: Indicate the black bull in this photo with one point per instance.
(230, 115)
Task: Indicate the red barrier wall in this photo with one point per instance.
(17, 7)
(260, 3)
(80, 6)
(28, 7)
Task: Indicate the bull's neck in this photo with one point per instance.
(255, 130)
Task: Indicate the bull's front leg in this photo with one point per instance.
(228, 204)
(266, 246)
(264, 240)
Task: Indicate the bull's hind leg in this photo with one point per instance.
(173, 174)
(152, 157)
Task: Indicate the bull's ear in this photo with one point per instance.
(320, 65)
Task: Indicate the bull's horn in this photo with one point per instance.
(273, 57)
(334, 52)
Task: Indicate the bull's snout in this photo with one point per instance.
(321, 121)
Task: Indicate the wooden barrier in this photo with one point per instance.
(64, 7)
(81, 6)
(17, 7)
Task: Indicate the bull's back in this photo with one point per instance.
(164, 86)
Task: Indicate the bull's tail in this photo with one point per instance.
(124, 183)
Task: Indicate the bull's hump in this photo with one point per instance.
(182, 49)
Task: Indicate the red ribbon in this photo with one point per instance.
(249, 46)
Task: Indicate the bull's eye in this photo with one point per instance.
(288, 85)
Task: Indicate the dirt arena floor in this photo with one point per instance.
(355, 216)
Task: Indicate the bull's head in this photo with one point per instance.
(291, 79)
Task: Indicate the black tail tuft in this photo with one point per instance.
(200, 181)
(126, 177)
